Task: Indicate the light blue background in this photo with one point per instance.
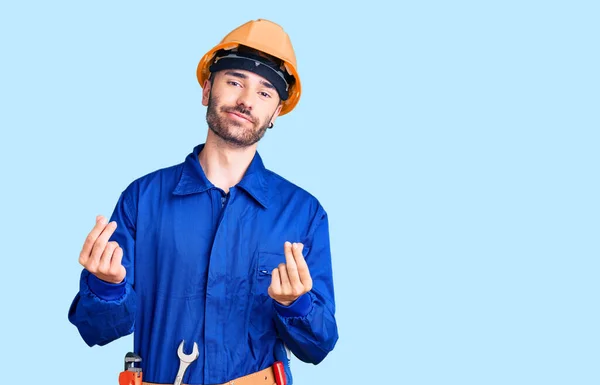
(454, 145)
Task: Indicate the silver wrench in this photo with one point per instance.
(184, 361)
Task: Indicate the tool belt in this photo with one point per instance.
(272, 375)
(263, 377)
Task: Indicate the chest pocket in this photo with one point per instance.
(267, 261)
(261, 318)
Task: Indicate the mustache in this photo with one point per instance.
(240, 110)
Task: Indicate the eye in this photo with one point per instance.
(265, 94)
(233, 83)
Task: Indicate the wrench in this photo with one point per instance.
(184, 361)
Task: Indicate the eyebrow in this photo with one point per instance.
(244, 76)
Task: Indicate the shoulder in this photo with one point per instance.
(156, 180)
(284, 191)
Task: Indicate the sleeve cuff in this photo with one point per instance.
(106, 290)
(298, 308)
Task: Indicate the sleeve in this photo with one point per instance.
(308, 326)
(103, 312)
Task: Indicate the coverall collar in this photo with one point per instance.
(193, 179)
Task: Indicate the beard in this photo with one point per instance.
(231, 131)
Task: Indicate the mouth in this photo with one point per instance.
(239, 116)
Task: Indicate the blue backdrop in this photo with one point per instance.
(453, 144)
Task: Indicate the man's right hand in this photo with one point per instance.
(101, 257)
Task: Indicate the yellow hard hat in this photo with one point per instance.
(267, 38)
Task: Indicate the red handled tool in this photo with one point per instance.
(279, 372)
(132, 375)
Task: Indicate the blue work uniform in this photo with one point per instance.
(199, 264)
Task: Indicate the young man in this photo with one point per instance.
(217, 250)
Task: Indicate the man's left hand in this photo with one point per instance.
(291, 279)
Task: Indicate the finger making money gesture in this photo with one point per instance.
(291, 279)
(101, 257)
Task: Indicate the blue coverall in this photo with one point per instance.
(199, 264)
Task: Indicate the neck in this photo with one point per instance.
(224, 164)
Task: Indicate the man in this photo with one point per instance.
(217, 250)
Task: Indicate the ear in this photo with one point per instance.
(277, 111)
(206, 92)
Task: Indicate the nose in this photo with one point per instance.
(245, 99)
